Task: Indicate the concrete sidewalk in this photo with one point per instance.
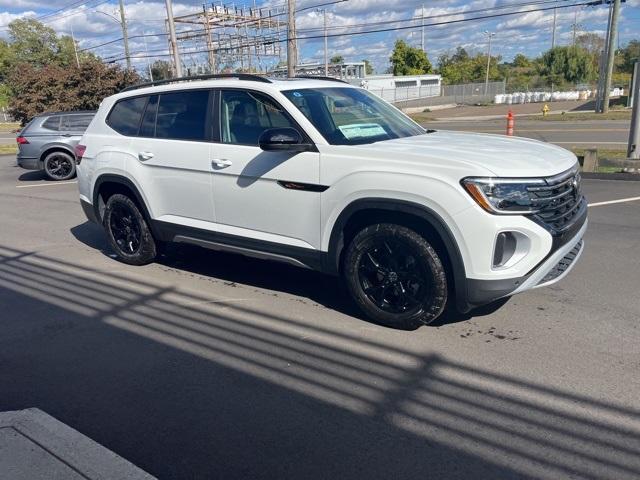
(36, 446)
(472, 112)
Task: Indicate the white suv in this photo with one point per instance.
(325, 175)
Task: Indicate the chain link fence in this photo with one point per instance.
(426, 96)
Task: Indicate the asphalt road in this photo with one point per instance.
(208, 365)
(607, 134)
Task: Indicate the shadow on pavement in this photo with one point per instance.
(325, 290)
(187, 385)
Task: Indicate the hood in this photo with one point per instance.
(503, 156)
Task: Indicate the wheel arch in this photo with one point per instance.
(363, 212)
(109, 184)
(56, 148)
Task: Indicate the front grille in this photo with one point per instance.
(559, 201)
(563, 264)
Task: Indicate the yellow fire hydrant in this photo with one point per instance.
(545, 110)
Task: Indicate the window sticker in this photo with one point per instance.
(362, 130)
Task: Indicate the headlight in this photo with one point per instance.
(503, 195)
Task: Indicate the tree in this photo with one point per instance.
(55, 87)
(407, 60)
(463, 68)
(161, 70)
(591, 42)
(568, 64)
(630, 55)
(368, 67)
(521, 61)
(337, 59)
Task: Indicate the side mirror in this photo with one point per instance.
(283, 139)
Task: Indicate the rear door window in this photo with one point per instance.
(76, 123)
(126, 115)
(183, 115)
(52, 123)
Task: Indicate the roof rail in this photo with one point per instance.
(239, 76)
(330, 79)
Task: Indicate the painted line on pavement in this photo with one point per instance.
(610, 202)
(51, 184)
(585, 143)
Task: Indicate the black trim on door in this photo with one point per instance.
(306, 257)
(303, 187)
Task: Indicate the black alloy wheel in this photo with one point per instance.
(395, 276)
(59, 166)
(128, 231)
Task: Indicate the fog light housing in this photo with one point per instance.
(504, 249)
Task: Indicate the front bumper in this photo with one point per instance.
(566, 250)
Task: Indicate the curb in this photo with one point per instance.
(630, 177)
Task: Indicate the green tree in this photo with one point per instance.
(407, 60)
(629, 55)
(55, 87)
(33, 42)
(337, 59)
(368, 67)
(463, 68)
(568, 64)
(161, 70)
(521, 61)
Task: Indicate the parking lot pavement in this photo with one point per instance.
(208, 365)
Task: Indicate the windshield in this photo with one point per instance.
(352, 116)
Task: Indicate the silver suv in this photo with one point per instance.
(47, 143)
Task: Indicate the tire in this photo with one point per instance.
(128, 231)
(395, 276)
(59, 166)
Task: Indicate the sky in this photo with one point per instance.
(447, 26)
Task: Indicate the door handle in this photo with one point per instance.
(143, 156)
(221, 163)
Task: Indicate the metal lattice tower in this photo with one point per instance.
(233, 37)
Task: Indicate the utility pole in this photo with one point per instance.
(553, 31)
(210, 52)
(602, 63)
(422, 28)
(125, 36)
(75, 47)
(575, 26)
(611, 53)
(326, 51)
(490, 35)
(177, 65)
(633, 150)
(292, 59)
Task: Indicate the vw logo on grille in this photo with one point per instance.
(575, 186)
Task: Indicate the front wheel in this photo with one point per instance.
(395, 276)
(128, 232)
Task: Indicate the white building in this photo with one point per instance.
(394, 89)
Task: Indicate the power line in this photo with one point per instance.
(448, 22)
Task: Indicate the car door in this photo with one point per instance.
(172, 157)
(265, 196)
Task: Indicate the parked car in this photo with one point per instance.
(325, 175)
(47, 143)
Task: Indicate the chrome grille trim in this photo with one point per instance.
(559, 202)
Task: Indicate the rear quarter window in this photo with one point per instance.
(126, 114)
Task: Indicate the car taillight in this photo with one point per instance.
(22, 140)
(80, 149)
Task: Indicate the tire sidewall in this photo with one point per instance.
(424, 253)
(148, 250)
(71, 174)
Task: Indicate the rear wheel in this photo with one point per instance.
(128, 231)
(395, 276)
(59, 166)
